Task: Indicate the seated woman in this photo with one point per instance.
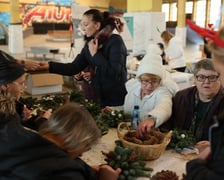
(12, 80)
(26, 155)
(152, 91)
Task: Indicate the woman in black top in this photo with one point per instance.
(105, 52)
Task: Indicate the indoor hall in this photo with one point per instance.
(41, 42)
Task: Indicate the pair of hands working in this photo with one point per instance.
(107, 172)
(203, 147)
(39, 65)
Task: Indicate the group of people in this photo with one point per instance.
(62, 136)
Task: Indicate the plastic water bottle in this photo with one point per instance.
(135, 119)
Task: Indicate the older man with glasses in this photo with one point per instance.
(194, 107)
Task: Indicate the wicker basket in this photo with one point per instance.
(149, 152)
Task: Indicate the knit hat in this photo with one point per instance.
(152, 62)
(10, 70)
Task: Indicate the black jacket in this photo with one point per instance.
(211, 169)
(25, 155)
(109, 64)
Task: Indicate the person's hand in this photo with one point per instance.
(145, 127)
(27, 114)
(93, 46)
(106, 109)
(43, 66)
(167, 59)
(87, 76)
(204, 155)
(31, 65)
(46, 114)
(78, 76)
(201, 145)
(107, 172)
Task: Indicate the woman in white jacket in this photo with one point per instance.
(152, 91)
(174, 51)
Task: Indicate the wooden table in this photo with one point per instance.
(170, 160)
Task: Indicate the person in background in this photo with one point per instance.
(87, 86)
(152, 91)
(174, 51)
(163, 55)
(206, 52)
(105, 52)
(25, 154)
(210, 162)
(12, 80)
(194, 107)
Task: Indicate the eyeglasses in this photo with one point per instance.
(153, 81)
(202, 78)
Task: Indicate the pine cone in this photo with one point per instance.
(165, 175)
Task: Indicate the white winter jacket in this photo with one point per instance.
(175, 53)
(157, 104)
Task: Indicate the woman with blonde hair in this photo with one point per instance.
(12, 81)
(174, 51)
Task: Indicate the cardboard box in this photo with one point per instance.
(37, 84)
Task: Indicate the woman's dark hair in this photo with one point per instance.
(105, 18)
(96, 15)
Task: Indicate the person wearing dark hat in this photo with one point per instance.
(25, 154)
(12, 80)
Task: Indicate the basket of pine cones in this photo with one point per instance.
(150, 146)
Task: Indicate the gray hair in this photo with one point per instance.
(204, 64)
(74, 126)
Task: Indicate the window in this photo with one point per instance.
(201, 12)
(166, 10)
(215, 13)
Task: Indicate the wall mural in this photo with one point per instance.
(41, 13)
(44, 11)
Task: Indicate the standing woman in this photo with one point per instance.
(174, 51)
(105, 52)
